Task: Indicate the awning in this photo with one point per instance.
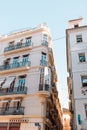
(4, 101)
(8, 81)
(16, 100)
(1, 81)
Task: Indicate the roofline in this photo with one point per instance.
(77, 28)
(76, 19)
(4, 38)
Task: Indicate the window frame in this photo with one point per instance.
(79, 38)
(45, 37)
(11, 43)
(28, 39)
(84, 77)
(82, 55)
(44, 56)
(21, 81)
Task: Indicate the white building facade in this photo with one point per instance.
(76, 48)
(28, 81)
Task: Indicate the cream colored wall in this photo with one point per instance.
(80, 109)
(78, 69)
(31, 124)
(66, 121)
(35, 105)
(77, 85)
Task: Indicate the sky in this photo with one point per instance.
(18, 14)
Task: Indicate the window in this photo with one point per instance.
(11, 43)
(18, 105)
(43, 56)
(28, 40)
(79, 38)
(16, 62)
(21, 82)
(86, 109)
(82, 57)
(7, 63)
(84, 81)
(45, 40)
(15, 59)
(43, 59)
(25, 58)
(7, 106)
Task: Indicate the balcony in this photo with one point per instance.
(43, 63)
(45, 43)
(44, 89)
(16, 90)
(17, 48)
(12, 111)
(18, 66)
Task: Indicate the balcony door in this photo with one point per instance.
(43, 56)
(21, 83)
(44, 59)
(7, 63)
(15, 62)
(25, 60)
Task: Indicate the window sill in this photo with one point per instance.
(79, 42)
(82, 62)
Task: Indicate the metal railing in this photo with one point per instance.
(15, 65)
(15, 90)
(43, 63)
(45, 43)
(17, 46)
(12, 111)
(43, 87)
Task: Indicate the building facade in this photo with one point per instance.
(28, 81)
(66, 119)
(76, 48)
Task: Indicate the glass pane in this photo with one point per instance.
(45, 37)
(28, 40)
(79, 38)
(82, 58)
(84, 81)
(21, 82)
(43, 57)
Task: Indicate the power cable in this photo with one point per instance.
(59, 38)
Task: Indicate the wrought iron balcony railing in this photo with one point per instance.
(15, 90)
(17, 46)
(12, 111)
(43, 87)
(45, 43)
(43, 63)
(15, 65)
